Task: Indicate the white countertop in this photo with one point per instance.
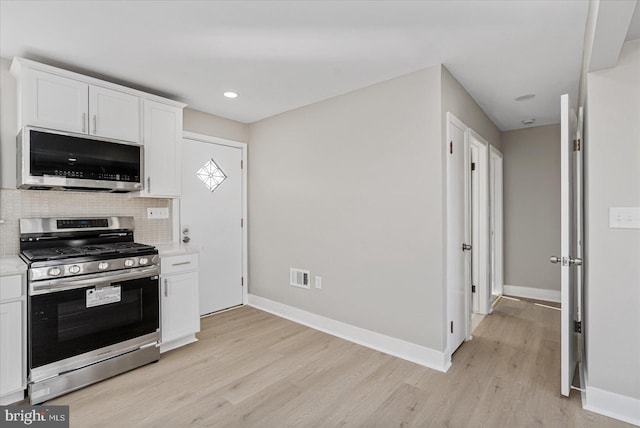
(174, 249)
(12, 265)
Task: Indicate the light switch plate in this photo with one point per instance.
(158, 212)
(624, 217)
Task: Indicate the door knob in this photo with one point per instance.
(566, 261)
(185, 230)
(186, 239)
(466, 247)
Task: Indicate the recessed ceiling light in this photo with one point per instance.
(525, 97)
(231, 94)
(528, 121)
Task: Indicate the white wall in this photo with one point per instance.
(351, 188)
(532, 207)
(8, 126)
(456, 99)
(215, 126)
(612, 150)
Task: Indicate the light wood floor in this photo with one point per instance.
(253, 369)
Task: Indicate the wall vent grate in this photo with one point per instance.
(299, 278)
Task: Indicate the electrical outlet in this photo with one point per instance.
(318, 281)
(624, 218)
(158, 212)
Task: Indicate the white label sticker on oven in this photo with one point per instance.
(103, 296)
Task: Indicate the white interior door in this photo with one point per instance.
(458, 233)
(569, 260)
(211, 214)
(496, 229)
(475, 230)
(479, 167)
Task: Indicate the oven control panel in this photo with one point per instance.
(85, 268)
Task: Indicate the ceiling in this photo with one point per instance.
(282, 55)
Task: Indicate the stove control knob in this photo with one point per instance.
(55, 271)
(74, 269)
(103, 265)
(129, 263)
(143, 261)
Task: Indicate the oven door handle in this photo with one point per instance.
(62, 284)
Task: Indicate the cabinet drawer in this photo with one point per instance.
(181, 263)
(10, 287)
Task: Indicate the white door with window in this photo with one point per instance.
(211, 219)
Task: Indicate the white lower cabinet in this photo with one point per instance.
(179, 308)
(12, 339)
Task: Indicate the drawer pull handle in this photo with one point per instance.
(180, 264)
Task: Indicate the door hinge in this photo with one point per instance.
(242, 281)
(451, 147)
(473, 166)
(577, 326)
(241, 164)
(473, 288)
(451, 326)
(576, 145)
(241, 222)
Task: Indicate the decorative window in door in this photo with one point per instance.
(211, 175)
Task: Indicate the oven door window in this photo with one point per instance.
(69, 323)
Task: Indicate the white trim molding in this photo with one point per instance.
(532, 293)
(422, 355)
(626, 409)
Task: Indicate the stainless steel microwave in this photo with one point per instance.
(55, 160)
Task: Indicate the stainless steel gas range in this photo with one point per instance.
(93, 302)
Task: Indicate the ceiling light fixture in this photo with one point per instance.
(528, 121)
(231, 94)
(525, 97)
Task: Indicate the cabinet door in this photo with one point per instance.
(179, 306)
(11, 349)
(56, 102)
(162, 130)
(114, 114)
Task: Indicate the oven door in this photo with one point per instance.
(75, 327)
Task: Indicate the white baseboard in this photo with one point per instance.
(614, 405)
(532, 293)
(422, 355)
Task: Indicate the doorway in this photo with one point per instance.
(474, 229)
(496, 255)
(213, 217)
(479, 206)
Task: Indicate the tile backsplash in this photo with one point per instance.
(17, 204)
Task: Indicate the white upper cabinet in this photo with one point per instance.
(52, 98)
(114, 114)
(55, 102)
(65, 104)
(162, 132)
